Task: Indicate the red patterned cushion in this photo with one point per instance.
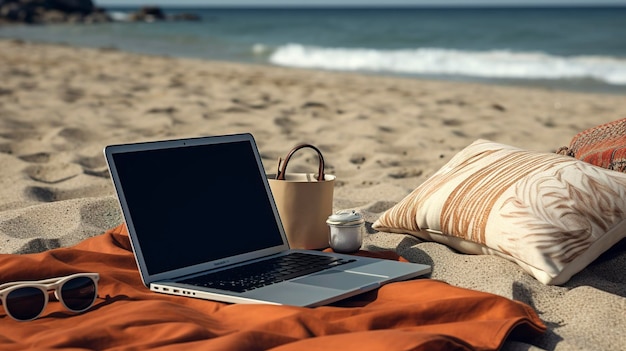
(604, 146)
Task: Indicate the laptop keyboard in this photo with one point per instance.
(266, 272)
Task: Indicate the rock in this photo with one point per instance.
(14, 11)
(155, 13)
(148, 14)
(83, 7)
(51, 11)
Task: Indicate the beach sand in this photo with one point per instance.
(381, 137)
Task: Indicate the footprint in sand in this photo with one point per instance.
(92, 161)
(101, 213)
(28, 232)
(54, 173)
(94, 166)
(6, 148)
(39, 157)
(71, 95)
(28, 223)
(406, 173)
(32, 231)
(75, 135)
(285, 123)
(4, 91)
(453, 101)
(164, 110)
(52, 194)
(318, 110)
(257, 103)
(358, 159)
(451, 122)
(236, 109)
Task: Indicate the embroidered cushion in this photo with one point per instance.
(604, 146)
(551, 214)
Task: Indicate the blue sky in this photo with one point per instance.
(352, 2)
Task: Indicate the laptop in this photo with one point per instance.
(203, 223)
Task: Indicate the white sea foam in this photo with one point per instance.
(437, 61)
(119, 16)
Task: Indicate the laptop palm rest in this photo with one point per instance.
(340, 280)
(318, 289)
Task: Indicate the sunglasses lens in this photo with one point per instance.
(25, 303)
(79, 293)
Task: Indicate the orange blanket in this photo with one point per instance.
(421, 314)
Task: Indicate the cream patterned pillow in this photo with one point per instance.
(551, 214)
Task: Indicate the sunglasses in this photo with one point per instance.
(26, 300)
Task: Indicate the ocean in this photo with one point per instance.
(581, 48)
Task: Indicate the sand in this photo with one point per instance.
(381, 137)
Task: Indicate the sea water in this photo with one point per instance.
(580, 48)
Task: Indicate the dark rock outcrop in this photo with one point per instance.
(148, 14)
(155, 13)
(51, 11)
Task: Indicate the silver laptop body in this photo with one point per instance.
(203, 205)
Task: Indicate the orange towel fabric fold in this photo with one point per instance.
(420, 314)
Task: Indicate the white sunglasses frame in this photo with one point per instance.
(45, 286)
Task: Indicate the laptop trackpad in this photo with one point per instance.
(338, 280)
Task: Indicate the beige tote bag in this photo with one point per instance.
(304, 201)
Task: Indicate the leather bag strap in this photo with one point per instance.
(282, 166)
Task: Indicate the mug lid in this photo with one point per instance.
(345, 218)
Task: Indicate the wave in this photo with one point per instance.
(119, 16)
(438, 61)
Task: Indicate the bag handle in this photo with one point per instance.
(282, 166)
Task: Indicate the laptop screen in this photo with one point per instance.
(194, 204)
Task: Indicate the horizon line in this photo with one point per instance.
(374, 6)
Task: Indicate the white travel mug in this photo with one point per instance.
(346, 231)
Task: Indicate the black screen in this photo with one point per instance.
(195, 204)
